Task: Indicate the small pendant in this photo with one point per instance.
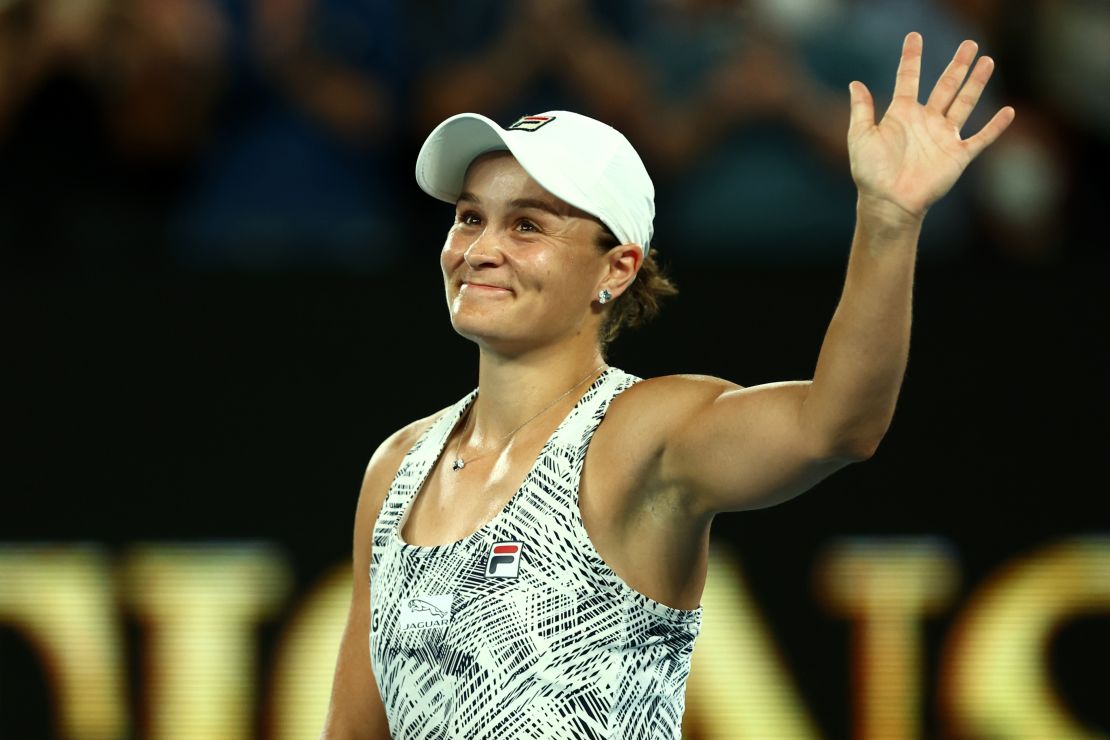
(458, 464)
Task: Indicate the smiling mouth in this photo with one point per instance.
(484, 288)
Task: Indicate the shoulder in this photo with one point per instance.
(394, 447)
(670, 397)
(657, 406)
(386, 459)
(686, 384)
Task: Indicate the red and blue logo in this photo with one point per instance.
(531, 123)
(504, 559)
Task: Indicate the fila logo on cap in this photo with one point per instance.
(504, 559)
(531, 123)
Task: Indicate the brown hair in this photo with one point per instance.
(639, 304)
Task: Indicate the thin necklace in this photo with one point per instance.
(459, 462)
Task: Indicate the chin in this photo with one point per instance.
(489, 332)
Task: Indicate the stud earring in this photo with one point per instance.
(604, 296)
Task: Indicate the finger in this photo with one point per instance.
(949, 83)
(1001, 121)
(863, 108)
(968, 96)
(909, 68)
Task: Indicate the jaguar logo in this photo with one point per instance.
(419, 605)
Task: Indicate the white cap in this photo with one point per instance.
(580, 160)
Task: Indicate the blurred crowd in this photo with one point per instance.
(281, 134)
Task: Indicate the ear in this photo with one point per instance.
(624, 262)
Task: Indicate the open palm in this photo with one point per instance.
(915, 154)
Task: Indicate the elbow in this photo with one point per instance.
(851, 449)
(845, 434)
(858, 442)
(862, 452)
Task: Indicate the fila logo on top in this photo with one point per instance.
(504, 559)
(531, 123)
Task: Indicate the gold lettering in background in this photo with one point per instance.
(200, 607)
(994, 677)
(887, 587)
(305, 658)
(62, 600)
(738, 687)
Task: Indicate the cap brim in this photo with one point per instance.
(566, 165)
(449, 150)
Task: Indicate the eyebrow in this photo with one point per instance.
(536, 203)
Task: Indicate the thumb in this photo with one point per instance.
(863, 108)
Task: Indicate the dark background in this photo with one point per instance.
(197, 408)
(176, 372)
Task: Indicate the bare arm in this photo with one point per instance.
(736, 448)
(356, 711)
(901, 167)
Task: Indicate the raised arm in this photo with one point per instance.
(736, 448)
(901, 167)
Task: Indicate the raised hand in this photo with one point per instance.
(915, 154)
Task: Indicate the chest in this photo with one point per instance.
(620, 503)
(454, 503)
(637, 525)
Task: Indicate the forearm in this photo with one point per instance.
(863, 357)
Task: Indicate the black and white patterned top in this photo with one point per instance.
(521, 630)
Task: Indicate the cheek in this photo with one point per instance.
(548, 273)
(450, 254)
(449, 242)
(564, 282)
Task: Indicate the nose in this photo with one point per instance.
(483, 251)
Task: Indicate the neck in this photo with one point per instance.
(512, 389)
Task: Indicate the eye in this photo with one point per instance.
(526, 225)
(470, 218)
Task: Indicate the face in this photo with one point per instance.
(521, 268)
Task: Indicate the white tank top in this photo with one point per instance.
(521, 630)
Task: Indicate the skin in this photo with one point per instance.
(673, 451)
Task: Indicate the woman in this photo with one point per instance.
(567, 606)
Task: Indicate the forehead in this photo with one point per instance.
(500, 176)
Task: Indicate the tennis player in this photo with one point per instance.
(529, 561)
